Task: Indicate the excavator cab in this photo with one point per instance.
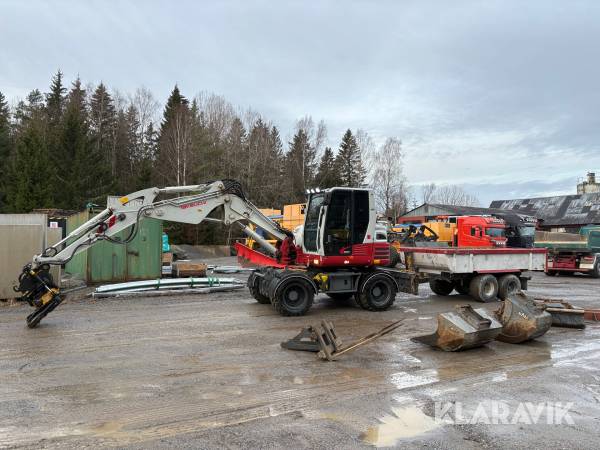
(339, 229)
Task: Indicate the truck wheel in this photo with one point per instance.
(550, 273)
(340, 297)
(595, 272)
(484, 288)
(441, 287)
(507, 285)
(377, 293)
(394, 256)
(462, 287)
(293, 297)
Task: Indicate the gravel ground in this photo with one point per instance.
(207, 371)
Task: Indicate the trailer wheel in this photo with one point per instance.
(441, 287)
(507, 285)
(377, 293)
(293, 297)
(484, 288)
(462, 287)
(595, 272)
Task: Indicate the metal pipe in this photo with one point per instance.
(258, 238)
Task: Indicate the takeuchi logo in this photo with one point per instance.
(193, 204)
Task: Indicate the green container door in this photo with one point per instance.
(144, 253)
(107, 262)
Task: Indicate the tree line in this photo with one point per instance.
(73, 145)
(70, 147)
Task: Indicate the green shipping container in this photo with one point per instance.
(140, 259)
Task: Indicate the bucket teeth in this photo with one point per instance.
(522, 319)
(462, 329)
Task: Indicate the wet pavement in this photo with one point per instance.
(207, 371)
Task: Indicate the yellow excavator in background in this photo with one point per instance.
(292, 217)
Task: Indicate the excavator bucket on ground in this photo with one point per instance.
(462, 329)
(563, 313)
(522, 319)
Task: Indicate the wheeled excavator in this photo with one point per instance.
(336, 252)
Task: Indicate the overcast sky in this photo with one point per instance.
(501, 97)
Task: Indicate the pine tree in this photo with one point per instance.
(299, 166)
(30, 169)
(83, 175)
(175, 142)
(102, 125)
(5, 148)
(235, 144)
(328, 174)
(349, 162)
(55, 100)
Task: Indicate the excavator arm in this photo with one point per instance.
(192, 205)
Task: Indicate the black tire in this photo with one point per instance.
(441, 287)
(376, 293)
(507, 285)
(462, 287)
(394, 256)
(340, 297)
(595, 272)
(293, 297)
(550, 273)
(484, 288)
(262, 299)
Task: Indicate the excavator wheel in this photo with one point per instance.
(36, 317)
(254, 291)
(394, 257)
(376, 293)
(441, 287)
(293, 296)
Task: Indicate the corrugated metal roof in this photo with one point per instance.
(434, 209)
(561, 210)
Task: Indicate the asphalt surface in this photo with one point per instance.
(207, 371)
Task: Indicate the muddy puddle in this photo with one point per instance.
(403, 423)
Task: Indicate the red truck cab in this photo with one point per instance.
(479, 231)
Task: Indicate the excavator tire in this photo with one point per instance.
(508, 285)
(394, 256)
(441, 287)
(376, 293)
(293, 297)
(254, 291)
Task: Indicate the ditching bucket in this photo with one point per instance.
(462, 329)
(522, 319)
(563, 313)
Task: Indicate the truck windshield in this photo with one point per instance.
(311, 223)
(495, 232)
(527, 231)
